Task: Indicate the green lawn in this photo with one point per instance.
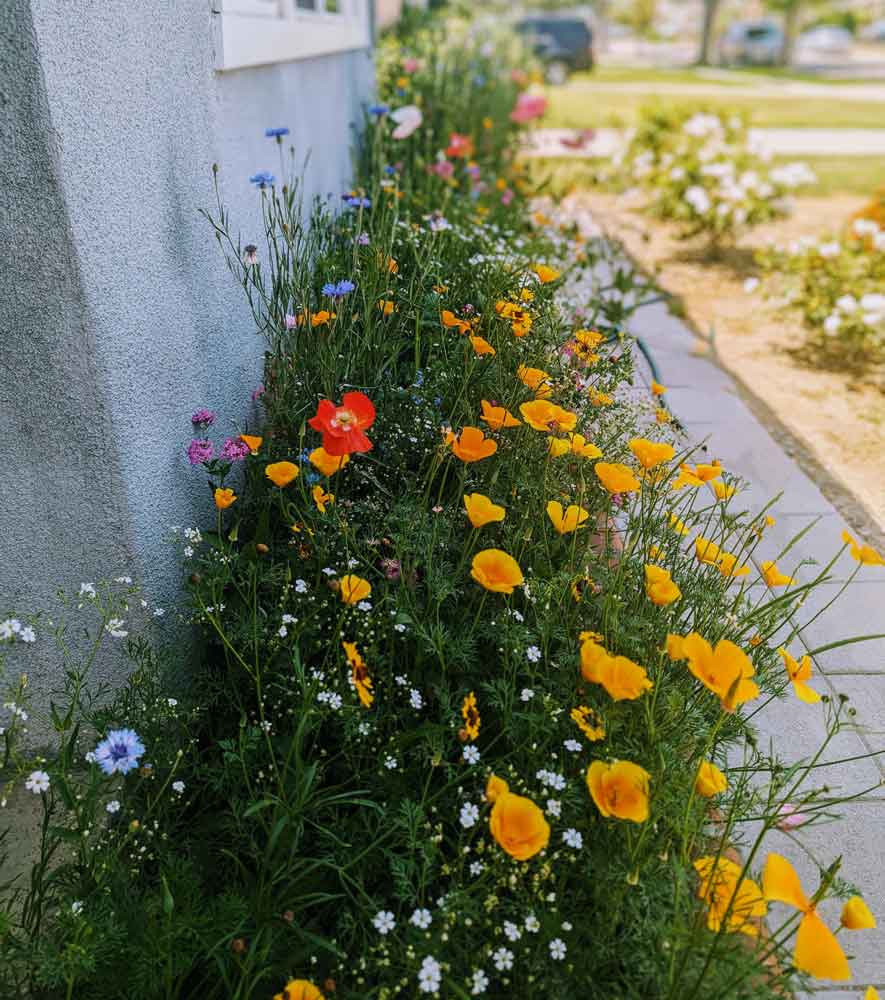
(852, 175)
(744, 76)
(577, 105)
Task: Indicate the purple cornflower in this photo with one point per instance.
(363, 239)
(275, 133)
(344, 287)
(234, 450)
(291, 321)
(264, 178)
(203, 418)
(119, 751)
(199, 451)
(355, 201)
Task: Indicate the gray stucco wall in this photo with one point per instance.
(117, 315)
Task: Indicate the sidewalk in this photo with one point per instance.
(548, 142)
(706, 401)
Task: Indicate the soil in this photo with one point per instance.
(831, 421)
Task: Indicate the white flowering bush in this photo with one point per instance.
(701, 170)
(838, 283)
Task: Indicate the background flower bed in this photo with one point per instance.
(327, 805)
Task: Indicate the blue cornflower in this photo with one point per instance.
(264, 178)
(355, 201)
(419, 377)
(344, 287)
(275, 133)
(390, 169)
(119, 751)
(379, 109)
(312, 478)
(479, 79)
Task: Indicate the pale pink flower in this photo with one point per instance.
(408, 119)
(790, 817)
(528, 106)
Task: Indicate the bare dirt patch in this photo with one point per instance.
(832, 422)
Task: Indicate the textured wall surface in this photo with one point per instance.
(117, 314)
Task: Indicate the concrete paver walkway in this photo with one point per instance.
(708, 404)
(568, 142)
(706, 401)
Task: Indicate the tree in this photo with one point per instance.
(711, 9)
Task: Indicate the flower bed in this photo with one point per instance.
(482, 643)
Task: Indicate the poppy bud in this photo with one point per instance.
(262, 548)
(195, 578)
(238, 946)
(288, 916)
(330, 986)
(463, 735)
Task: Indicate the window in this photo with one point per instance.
(255, 32)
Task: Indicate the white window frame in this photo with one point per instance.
(258, 32)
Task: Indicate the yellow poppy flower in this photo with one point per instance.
(224, 498)
(619, 789)
(573, 518)
(722, 491)
(857, 916)
(583, 448)
(253, 442)
(659, 586)
(482, 346)
(773, 576)
(678, 525)
(725, 670)
(728, 567)
(450, 320)
(548, 417)
(862, 553)
(496, 571)
(386, 306)
(322, 317)
(470, 715)
(709, 780)
(737, 902)
(353, 589)
(662, 415)
(498, 417)
(558, 447)
(281, 473)
(623, 679)
(362, 682)
(544, 273)
(589, 722)
(651, 453)
(707, 552)
(598, 398)
(799, 674)
(616, 478)
(535, 379)
(481, 511)
(526, 295)
(518, 825)
(321, 498)
(657, 389)
(471, 445)
(299, 989)
(817, 951)
(325, 463)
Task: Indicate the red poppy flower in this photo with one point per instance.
(459, 145)
(342, 426)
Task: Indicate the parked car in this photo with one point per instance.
(874, 32)
(754, 43)
(564, 44)
(827, 38)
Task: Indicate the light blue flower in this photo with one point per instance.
(119, 751)
(275, 133)
(264, 178)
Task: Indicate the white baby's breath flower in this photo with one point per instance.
(114, 627)
(479, 983)
(421, 919)
(526, 694)
(503, 959)
(554, 807)
(112, 807)
(511, 931)
(37, 782)
(573, 838)
(532, 924)
(533, 654)
(384, 921)
(469, 815)
(470, 754)
(557, 949)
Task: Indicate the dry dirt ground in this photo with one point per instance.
(832, 422)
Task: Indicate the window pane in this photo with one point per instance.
(306, 4)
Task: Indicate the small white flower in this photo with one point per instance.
(469, 815)
(415, 699)
(300, 586)
(517, 615)
(503, 959)
(566, 925)
(365, 606)
(115, 628)
(526, 694)
(117, 579)
(282, 632)
(573, 838)
(289, 620)
(390, 762)
(750, 285)
(832, 323)
(476, 868)
(27, 634)
(329, 571)
(573, 745)
(551, 778)
(113, 806)
(479, 983)
(90, 757)
(37, 782)
(533, 654)
(421, 918)
(532, 924)
(384, 921)
(401, 679)
(511, 931)
(557, 949)
(430, 975)
(159, 612)
(399, 627)
(178, 786)
(188, 551)
(352, 562)
(87, 590)
(470, 754)
(172, 702)
(554, 807)
(77, 907)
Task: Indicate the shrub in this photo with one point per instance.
(701, 170)
(457, 728)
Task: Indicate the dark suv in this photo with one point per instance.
(564, 44)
